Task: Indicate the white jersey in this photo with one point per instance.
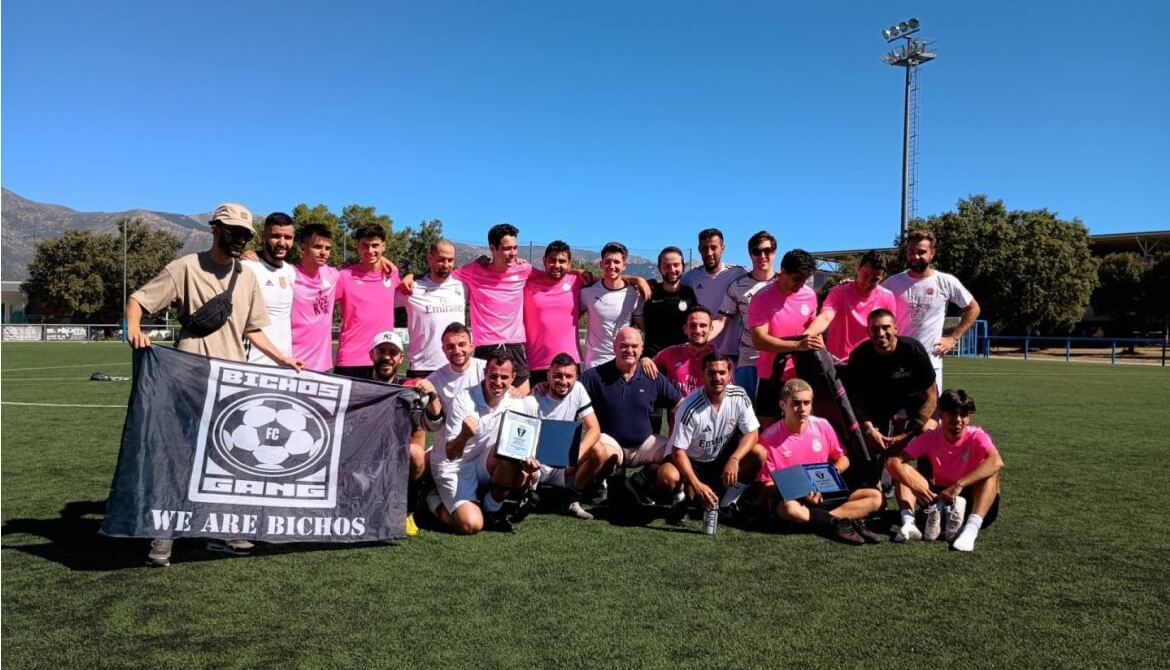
(609, 311)
(704, 431)
(922, 306)
(430, 308)
(471, 402)
(276, 285)
(448, 384)
(572, 407)
(735, 305)
(710, 289)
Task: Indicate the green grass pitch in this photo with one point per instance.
(1076, 572)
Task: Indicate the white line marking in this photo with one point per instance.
(49, 404)
(45, 379)
(60, 367)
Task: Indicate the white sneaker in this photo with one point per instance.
(966, 539)
(955, 515)
(933, 526)
(907, 533)
(576, 510)
(159, 555)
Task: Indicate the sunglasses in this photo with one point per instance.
(763, 251)
(236, 232)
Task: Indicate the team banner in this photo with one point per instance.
(218, 449)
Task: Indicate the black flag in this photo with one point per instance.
(218, 449)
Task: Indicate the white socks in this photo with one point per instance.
(966, 539)
(733, 493)
(490, 504)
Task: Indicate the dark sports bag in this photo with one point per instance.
(214, 313)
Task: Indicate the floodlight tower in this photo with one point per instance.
(910, 55)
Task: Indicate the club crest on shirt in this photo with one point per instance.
(387, 281)
(804, 310)
(817, 445)
(566, 287)
(283, 282)
(682, 305)
(930, 290)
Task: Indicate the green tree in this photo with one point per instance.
(1028, 269)
(81, 272)
(846, 270)
(413, 255)
(354, 217)
(1120, 294)
(303, 215)
(1154, 285)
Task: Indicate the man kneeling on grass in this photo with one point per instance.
(804, 439)
(964, 474)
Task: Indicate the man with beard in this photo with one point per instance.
(552, 307)
(366, 294)
(433, 302)
(713, 443)
(923, 294)
(736, 303)
(665, 310)
(190, 282)
(853, 301)
(467, 461)
(683, 363)
(889, 375)
(276, 280)
(611, 304)
(563, 398)
(711, 282)
(386, 355)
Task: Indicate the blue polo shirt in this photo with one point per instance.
(623, 408)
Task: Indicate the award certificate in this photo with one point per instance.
(518, 437)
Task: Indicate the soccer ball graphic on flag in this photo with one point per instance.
(271, 435)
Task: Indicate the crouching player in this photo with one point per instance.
(706, 458)
(563, 398)
(804, 439)
(964, 475)
(468, 461)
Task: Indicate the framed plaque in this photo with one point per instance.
(798, 481)
(519, 436)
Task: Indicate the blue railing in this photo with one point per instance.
(1026, 342)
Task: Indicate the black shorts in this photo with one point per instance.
(768, 398)
(519, 358)
(537, 377)
(711, 472)
(355, 371)
(992, 512)
(418, 374)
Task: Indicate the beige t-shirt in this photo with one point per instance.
(192, 280)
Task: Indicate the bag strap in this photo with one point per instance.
(231, 287)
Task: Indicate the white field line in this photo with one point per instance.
(50, 404)
(62, 367)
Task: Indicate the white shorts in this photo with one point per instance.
(652, 451)
(458, 480)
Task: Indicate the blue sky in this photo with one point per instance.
(642, 122)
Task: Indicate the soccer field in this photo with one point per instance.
(1075, 573)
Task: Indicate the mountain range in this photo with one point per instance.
(24, 223)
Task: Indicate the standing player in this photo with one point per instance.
(923, 294)
(276, 279)
(713, 444)
(552, 307)
(683, 363)
(848, 305)
(734, 309)
(804, 439)
(965, 468)
(366, 293)
(777, 317)
(710, 284)
(433, 302)
(666, 308)
(611, 305)
(314, 292)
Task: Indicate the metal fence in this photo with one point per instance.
(72, 332)
(1115, 349)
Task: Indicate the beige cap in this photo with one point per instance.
(388, 336)
(232, 214)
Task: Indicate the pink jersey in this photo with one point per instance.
(551, 311)
(851, 311)
(817, 443)
(951, 461)
(785, 316)
(683, 366)
(497, 302)
(367, 308)
(312, 317)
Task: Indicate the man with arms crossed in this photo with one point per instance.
(923, 294)
(276, 279)
(190, 282)
(611, 304)
(803, 439)
(777, 317)
(736, 302)
(624, 397)
(666, 308)
(467, 460)
(710, 283)
(889, 375)
(965, 468)
(433, 302)
(706, 458)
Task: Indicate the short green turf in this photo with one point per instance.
(1074, 574)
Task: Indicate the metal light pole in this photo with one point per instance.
(909, 56)
(124, 287)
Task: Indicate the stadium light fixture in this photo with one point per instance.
(910, 55)
(901, 29)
